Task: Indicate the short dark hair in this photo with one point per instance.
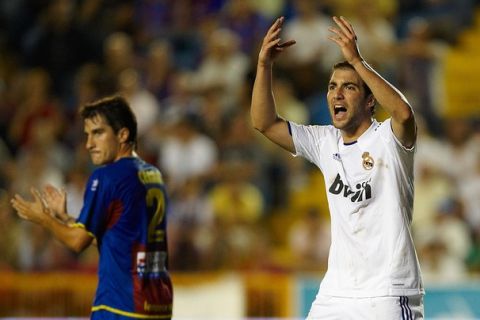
(346, 65)
(117, 113)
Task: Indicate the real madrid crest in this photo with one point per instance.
(368, 161)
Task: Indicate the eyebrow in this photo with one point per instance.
(96, 130)
(344, 84)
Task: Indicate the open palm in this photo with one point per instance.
(34, 211)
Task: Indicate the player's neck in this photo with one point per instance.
(126, 151)
(350, 136)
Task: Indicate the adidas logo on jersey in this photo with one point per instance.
(362, 191)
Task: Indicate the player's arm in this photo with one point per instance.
(263, 111)
(75, 238)
(389, 97)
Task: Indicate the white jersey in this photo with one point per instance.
(370, 193)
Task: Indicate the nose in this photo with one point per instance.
(89, 143)
(338, 93)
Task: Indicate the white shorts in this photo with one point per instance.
(381, 308)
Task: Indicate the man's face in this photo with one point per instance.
(102, 142)
(347, 103)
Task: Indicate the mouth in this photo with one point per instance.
(339, 112)
(337, 109)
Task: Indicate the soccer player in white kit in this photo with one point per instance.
(373, 270)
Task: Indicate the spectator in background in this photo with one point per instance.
(238, 207)
(462, 148)
(12, 236)
(241, 17)
(118, 55)
(191, 224)
(186, 153)
(33, 167)
(234, 198)
(35, 101)
(378, 36)
(87, 85)
(446, 17)
(313, 53)
(469, 194)
(309, 240)
(142, 101)
(181, 101)
(158, 69)
(223, 67)
(419, 71)
(431, 184)
(288, 104)
(57, 44)
(473, 259)
(448, 244)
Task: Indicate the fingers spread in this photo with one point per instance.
(36, 194)
(346, 29)
(286, 44)
(347, 24)
(275, 26)
(20, 206)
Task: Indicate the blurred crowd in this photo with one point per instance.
(237, 202)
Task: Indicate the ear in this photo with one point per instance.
(123, 135)
(371, 101)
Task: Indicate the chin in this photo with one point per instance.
(96, 161)
(339, 125)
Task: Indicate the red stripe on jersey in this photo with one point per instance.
(114, 212)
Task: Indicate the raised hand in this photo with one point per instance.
(272, 44)
(346, 39)
(34, 211)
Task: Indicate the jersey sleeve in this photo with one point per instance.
(94, 211)
(308, 141)
(387, 132)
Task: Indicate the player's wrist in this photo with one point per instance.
(65, 218)
(356, 61)
(264, 64)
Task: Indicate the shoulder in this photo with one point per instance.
(317, 131)
(117, 170)
(383, 129)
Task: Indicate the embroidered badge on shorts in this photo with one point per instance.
(368, 161)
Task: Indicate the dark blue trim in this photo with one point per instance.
(403, 309)
(289, 128)
(349, 143)
(406, 311)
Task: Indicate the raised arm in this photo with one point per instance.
(75, 238)
(263, 111)
(389, 97)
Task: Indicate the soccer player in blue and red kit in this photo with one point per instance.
(123, 212)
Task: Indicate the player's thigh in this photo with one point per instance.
(393, 308)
